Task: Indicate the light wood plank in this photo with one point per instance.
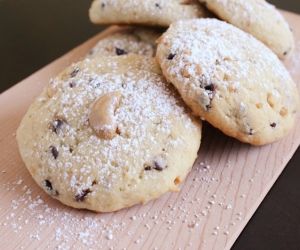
(227, 184)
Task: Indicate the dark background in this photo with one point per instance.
(35, 32)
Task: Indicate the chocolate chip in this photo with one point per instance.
(120, 52)
(251, 131)
(157, 5)
(285, 53)
(102, 5)
(72, 84)
(157, 166)
(48, 185)
(94, 182)
(80, 197)
(118, 131)
(74, 72)
(91, 52)
(273, 125)
(97, 85)
(49, 188)
(56, 125)
(171, 56)
(54, 151)
(210, 87)
(208, 107)
(147, 168)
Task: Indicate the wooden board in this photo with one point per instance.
(227, 184)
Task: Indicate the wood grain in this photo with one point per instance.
(227, 184)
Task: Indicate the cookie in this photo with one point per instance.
(151, 12)
(109, 133)
(230, 79)
(258, 18)
(127, 40)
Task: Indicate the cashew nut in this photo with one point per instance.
(102, 116)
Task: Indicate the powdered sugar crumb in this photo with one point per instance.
(85, 229)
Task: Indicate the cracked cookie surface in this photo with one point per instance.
(150, 12)
(258, 18)
(229, 79)
(109, 133)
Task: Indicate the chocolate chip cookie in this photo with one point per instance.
(109, 133)
(127, 40)
(258, 18)
(150, 12)
(230, 79)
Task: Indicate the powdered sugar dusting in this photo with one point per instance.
(215, 45)
(35, 216)
(213, 65)
(258, 18)
(77, 163)
(247, 13)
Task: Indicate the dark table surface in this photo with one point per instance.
(33, 33)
